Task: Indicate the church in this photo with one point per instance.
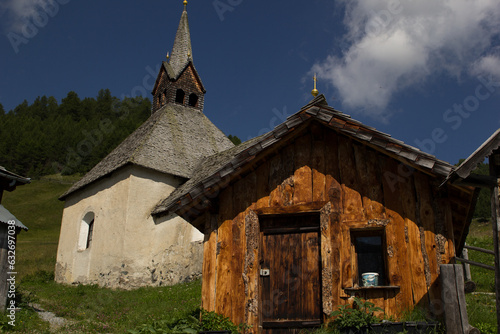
(108, 235)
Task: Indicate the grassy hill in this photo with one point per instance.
(37, 206)
(98, 310)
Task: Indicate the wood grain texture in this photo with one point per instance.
(251, 271)
(414, 245)
(208, 291)
(346, 261)
(326, 260)
(429, 249)
(318, 165)
(303, 173)
(224, 277)
(352, 201)
(398, 265)
(262, 185)
(374, 203)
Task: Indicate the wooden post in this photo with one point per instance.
(494, 161)
(454, 306)
(469, 285)
(465, 255)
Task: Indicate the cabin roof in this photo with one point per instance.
(464, 170)
(171, 141)
(6, 216)
(213, 172)
(12, 179)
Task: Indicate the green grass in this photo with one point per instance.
(37, 206)
(92, 309)
(481, 308)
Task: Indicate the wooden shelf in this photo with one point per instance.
(367, 288)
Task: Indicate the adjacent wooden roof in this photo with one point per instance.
(213, 172)
(9, 180)
(465, 169)
(172, 141)
(6, 216)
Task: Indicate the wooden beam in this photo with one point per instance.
(487, 251)
(482, 181)
(494, 161)
(474, 263)
(279, 210)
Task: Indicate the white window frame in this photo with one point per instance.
(83, 236)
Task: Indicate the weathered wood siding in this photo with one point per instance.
(351, 186)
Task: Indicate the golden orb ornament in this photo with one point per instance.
(315, 92)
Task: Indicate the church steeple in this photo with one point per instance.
(178, 81)
(182, 51)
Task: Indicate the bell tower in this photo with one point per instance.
(178, 82)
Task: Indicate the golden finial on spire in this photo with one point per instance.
(185, 4)
(168, 56)
(315, 92)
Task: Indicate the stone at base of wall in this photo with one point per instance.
(176, 264)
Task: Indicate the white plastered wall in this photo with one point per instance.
(128, 248)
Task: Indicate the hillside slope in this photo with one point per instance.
(37, 206)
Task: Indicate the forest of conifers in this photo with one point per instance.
(71, 137)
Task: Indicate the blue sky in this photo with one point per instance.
(427, 72)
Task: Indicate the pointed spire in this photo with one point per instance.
(181, 52)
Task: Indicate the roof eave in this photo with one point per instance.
(464, 170)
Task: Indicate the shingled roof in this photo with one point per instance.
(172, 140)
(213, 172)
(465, 169)
(182, 51)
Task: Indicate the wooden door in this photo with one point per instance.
(291, 290)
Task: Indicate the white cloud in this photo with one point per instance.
(394, 44)
(487, 65)
(20, 11)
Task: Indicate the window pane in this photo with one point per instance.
(370, 257)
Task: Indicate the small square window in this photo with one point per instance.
(368, 249)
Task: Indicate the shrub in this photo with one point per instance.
(360, 315)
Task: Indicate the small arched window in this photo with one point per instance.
(193, 100)
(86, 231)
(179, 96)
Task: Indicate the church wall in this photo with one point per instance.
(128, 248)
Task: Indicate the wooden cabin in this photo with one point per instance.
(293, 218)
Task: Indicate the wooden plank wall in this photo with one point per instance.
(362, 189)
